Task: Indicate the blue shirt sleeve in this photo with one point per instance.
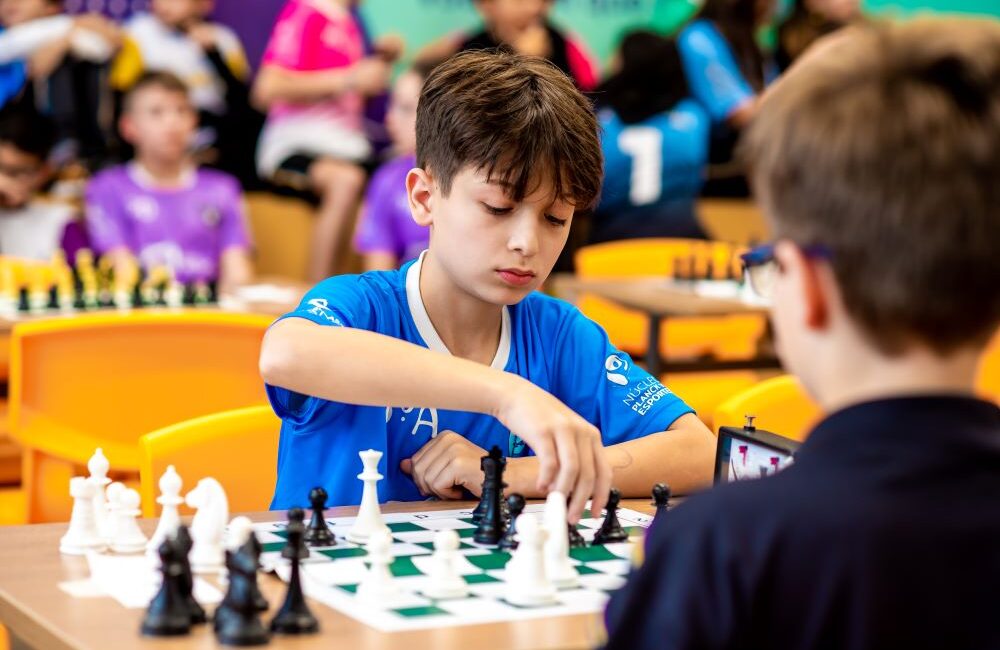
(712, 73)
(13, 76)
(341, 301)
(606, 388)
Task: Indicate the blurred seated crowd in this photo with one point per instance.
(139, 139)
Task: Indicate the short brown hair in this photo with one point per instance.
(163, 80)
(512, 116)
(884, 146)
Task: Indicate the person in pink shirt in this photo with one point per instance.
(313, 83)
(524, 26)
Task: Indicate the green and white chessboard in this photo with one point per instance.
(331, 575)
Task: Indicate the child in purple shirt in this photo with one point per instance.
(387, 235)
(160, 209)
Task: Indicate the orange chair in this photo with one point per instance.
(727, 337)
(704, 391)
(780, 404)
(237, 448)
(988, 377)
(104, 379)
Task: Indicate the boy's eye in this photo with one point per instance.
(555, 221)
(495, 210)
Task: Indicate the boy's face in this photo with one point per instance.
(176, 13)
(16, 12)
(160, 123)
(21, 174)
(510, 17)
(401, 119)
(494, 248)
(835, 10)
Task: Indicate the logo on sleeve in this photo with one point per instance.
(616, 367)
(320, 307)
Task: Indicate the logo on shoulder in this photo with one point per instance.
(320, 307)
(616, 367)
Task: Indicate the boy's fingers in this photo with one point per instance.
(569, 460)
(584, 484)
(602, 482)
(406, 466)
(548, 464)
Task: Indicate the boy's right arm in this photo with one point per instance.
(274, 83)
(350, 365)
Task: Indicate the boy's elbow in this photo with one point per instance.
(277, 358)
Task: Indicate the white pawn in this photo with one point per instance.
(444, 580)
(369, 519)
(208, 528)
(128, 537)
(111, 506)
(82, 535)
(238, 532)
(170, 497)
(378, 585)
(527, 583)
(557, 563)
(98, 466)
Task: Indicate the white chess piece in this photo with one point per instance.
(208, 528)
(98, 467)
(238, 532)
(128, 537)
(369, 519)
(111, 506)
(170, 497)
(444, 580)
(527, 583)
(557, 563)
(378, 584)
(82, 535)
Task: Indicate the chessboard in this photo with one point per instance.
(331, 574)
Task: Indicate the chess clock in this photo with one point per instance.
(749, 453)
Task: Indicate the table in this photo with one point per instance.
(39, 614)
(661, 298)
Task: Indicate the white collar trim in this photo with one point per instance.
(426, 329)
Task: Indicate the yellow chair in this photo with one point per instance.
(727, 337)
(282, 228)
(738, 221)
(988, 377)
(104, 379)
(704, 391)
(780, 404)
(237, 448)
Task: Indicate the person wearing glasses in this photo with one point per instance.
(876, 160)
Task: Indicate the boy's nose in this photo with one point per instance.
(524, 237)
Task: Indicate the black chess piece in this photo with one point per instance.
(477, 514)
(576, 540)
(661, 497)
(294, 616)
(515, 505)
(490, 528)
(168, 614)
(237, 622)
(299, 548)
(611, 530)
(255, 548)
(319, 533)
(182, 540)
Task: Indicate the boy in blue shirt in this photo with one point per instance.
(876, 162)
(435, 363)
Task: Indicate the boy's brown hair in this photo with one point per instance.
(884, 147)
(163, 80)
(516, 118)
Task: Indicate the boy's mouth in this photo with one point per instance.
(516, 277)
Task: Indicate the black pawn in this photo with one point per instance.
(167, 614)
(611, 530)
(297, 549)
(237, 622)
(182, 540)
(490, 528)
(515, 505)
(319, 533)
(661, 497)
(576, 540)
(294, 616)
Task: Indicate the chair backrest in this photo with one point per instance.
(105, 379)
(780, 404)
(238, 448)
(282, 227)
(988, 377)
(739, 221)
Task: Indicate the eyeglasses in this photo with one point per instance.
(761, 267)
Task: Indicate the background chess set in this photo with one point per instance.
(331, 574)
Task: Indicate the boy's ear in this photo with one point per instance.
(420, 191)
(125, 128)
(808, 287)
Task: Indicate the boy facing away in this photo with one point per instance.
(455, 352)
(876, 161)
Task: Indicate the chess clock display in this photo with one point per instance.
(749, 453)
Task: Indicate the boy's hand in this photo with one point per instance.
(389, 47)
(570, 454)
(370, 76)
(445, 465)
(204, 34)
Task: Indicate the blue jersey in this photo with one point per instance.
(13, 77)
(546, 341)
(712, 73)
(653, 173)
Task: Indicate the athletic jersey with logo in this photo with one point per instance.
(711, 70)
(654, 171)
(545, 340)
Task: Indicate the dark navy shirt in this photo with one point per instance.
(885, 533)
